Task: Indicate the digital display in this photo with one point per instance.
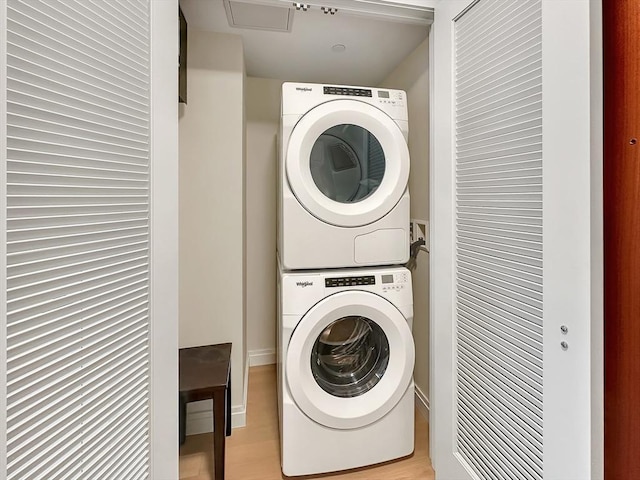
(383, 94)
(387, 278)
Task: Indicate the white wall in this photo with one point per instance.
(412, 75)
(263, 118)
(212, 209)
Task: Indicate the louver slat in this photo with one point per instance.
(30, 452)
(84, 136)
(499, 134)
(59, 407)
(83, 146)
(77, 261)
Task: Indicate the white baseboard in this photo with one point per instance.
(422, 402)
(264, 356)
(240, 419)
(200, 414)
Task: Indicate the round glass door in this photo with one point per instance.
(350, 356)
(349, 359)
(347, 163)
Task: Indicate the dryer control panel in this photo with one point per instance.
(349, 91)
(300, 98)
(390, 98)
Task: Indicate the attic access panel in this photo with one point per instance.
(258, 16)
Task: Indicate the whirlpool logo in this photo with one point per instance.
(304, 89)
(306, 283)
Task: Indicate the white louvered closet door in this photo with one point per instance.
(77, 247)
(512, 248)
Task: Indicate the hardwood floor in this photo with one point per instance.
(253, 452)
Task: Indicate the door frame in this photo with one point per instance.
(621, 172)
(164, 239)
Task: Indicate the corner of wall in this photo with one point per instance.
(412, 75)
(245, 267)
(213, 242)
(262, 122)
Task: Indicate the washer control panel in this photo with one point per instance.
(386, 281)
(350, 281)
(394, 281)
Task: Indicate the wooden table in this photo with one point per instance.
(205, 373)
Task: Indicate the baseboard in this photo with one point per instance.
(264, 356)
(422, 402)
(240, 419)
(200, 414)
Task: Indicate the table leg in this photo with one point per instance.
(219, 431)
(228, 390)
(182, 418)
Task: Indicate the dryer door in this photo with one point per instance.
(350, 360)
(347, 163)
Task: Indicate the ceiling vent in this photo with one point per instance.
(274, 18)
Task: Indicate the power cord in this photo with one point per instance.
(414, 249)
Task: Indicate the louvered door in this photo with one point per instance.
(514, 255)
(77, 199)
(498, 129)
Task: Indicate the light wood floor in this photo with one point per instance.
(253, 451)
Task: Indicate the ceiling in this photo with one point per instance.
(374, 47)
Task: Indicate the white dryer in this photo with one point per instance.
(343, 177)
(345, 368)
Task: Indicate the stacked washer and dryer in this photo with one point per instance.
(345, 307)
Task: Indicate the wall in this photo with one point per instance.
(412, 75)
(263, 119)
(212, 209)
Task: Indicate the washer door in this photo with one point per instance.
(347, 163)
(350, 360)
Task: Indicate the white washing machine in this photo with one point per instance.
(343, 177)
(345, 368)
